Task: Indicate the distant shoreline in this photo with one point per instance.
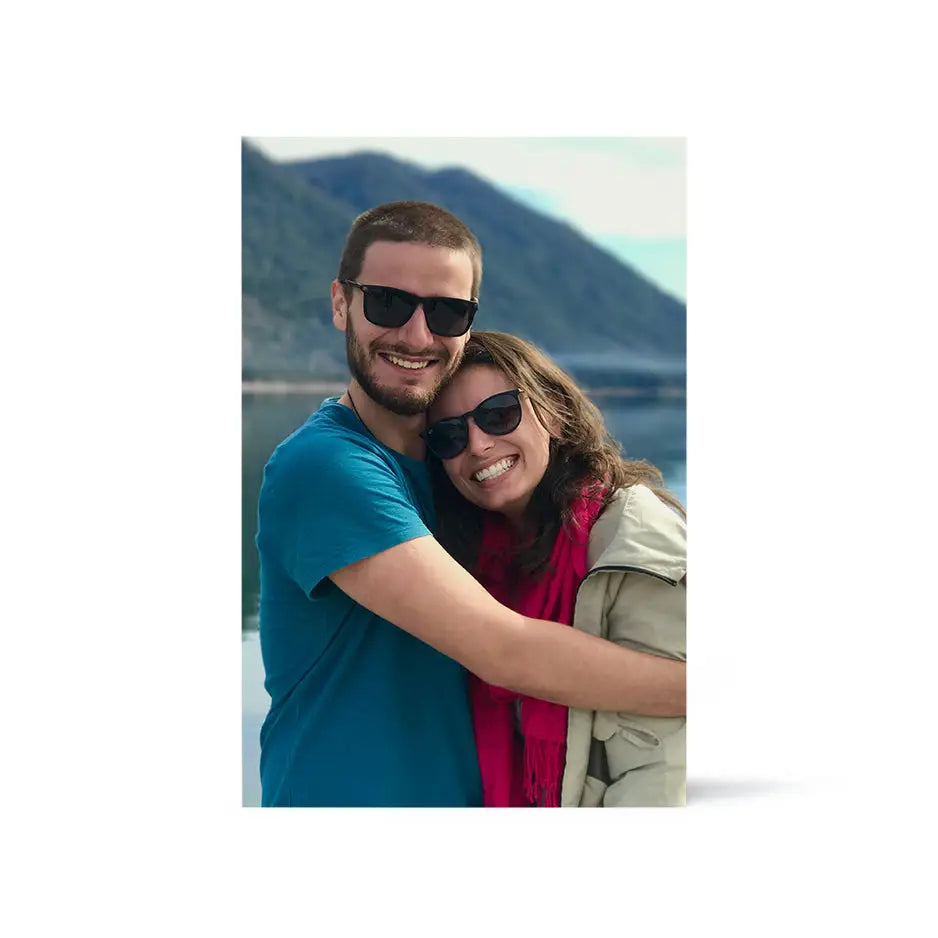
(293, 387)
(338, 387)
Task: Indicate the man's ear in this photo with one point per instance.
(339, 306)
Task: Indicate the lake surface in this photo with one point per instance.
(648, 429)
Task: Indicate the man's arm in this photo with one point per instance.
(418, 587)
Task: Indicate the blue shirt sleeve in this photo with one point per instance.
(329, 500)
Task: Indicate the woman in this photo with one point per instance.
(534, 498)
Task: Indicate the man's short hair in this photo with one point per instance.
(415, 222)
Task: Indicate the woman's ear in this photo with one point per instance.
(550, 423)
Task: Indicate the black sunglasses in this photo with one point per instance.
(497, 415)
(391, 308)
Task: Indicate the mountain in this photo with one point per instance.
(541, 278)
(291, 238)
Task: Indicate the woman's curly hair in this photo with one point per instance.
(584, 457)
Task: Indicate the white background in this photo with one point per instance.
(811, 209)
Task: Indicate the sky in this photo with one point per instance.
(626, 194)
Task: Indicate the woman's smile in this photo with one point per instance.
(488, 475)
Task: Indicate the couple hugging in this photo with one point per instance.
(468, 597)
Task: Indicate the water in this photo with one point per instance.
(648, 429)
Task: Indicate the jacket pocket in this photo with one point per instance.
(633, 744)
(646, 757)
(632, 741)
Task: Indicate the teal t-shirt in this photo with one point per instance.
(362, 713)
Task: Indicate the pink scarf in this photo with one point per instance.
(518, 773)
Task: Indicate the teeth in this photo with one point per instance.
(414, 366)
(496, 469)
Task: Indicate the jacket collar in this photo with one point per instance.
(639, 531)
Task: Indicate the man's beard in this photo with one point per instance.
(405, 402)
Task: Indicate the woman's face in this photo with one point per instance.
(511, 465)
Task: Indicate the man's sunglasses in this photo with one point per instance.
(391, 308)
(497, 415)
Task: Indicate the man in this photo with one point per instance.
(366, 623)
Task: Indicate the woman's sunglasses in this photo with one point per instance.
(391, 308)
(497, 415)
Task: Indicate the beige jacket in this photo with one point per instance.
(634, 594)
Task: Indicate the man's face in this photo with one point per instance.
(402, 369)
